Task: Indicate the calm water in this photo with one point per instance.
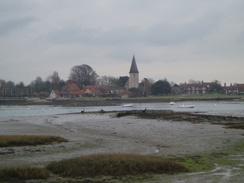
(228, 108)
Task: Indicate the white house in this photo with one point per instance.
(54, 94)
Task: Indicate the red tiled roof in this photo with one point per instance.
(92, 89)
(56, 92)
(71, 88)
(105, 89)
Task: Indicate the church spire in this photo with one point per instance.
(134, 74)
(133, 68)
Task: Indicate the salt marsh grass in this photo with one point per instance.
(28, 140)
(114, 165)
(23, 173)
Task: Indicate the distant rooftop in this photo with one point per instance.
(133, 68)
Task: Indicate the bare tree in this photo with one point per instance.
(38, 85)
(6, 88)
(145, 86)
(109, 80)
(54, 80)
(83, 75)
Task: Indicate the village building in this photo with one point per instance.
(91, 90)
(196, 88)
(105, 90)
(117, 90)
(94, 90)
(54, 94)
(175, 89)
(70, 90)
(134, 75)
(234, 89)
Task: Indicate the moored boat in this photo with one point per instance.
(186, 106)
(127, 105)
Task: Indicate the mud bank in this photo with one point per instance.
(183, 116)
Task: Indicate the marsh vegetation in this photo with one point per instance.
(97, 165)
(232, 121)
(114, 165)
(28, 140)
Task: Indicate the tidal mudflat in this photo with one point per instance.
(93, 133)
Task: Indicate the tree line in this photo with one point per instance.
(84, 75)
(37, 87)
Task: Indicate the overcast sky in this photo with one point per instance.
(174, 39)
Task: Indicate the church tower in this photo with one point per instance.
(134, 74)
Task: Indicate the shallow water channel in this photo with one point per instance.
(235, 108)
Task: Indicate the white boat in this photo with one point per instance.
(171, 103)
(127, 105)
(186, 106)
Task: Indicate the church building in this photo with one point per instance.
(134, 74)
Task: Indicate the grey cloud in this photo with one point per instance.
(10, 6)
(93, 36)
(160, 34)
(240, 38)
(171, 34)
(13, 24)
(68, 35)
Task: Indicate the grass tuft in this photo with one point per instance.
(23, 173)
(114, 165)
(28, 140)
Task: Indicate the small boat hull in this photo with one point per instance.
(127, 105)
(186, 106)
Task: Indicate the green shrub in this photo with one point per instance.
(114, 165)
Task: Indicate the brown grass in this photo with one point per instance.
(114, 165)
(28, 140)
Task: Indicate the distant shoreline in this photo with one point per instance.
(110, 102)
